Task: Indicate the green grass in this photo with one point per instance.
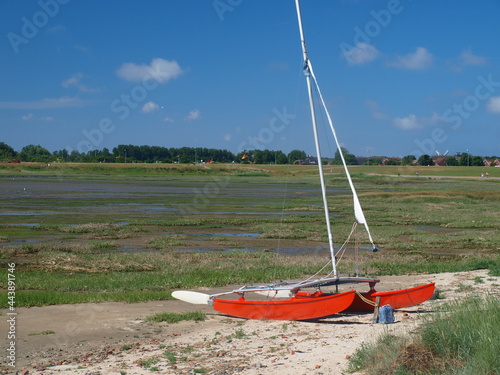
(171, 357)
(196, 316)
(238, 335)
(47, 297)
(468, 334)
(77, 251)
(461, 339)
(120, 170)
(147, 363)
(81, 278)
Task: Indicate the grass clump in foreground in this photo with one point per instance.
(462, 339)
(196, 316)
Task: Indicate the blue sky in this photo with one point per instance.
(400, 77)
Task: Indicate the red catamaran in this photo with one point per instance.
(288, 300)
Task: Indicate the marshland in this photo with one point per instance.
(135, 232)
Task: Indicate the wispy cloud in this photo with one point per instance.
(150, 107)
(494, 104)
(195, 114)
(468, 58)
(31, 116)
(168, 119)
(159, 69)
(375, 110)
(28, 117)
(419, 60)
(47, 103)
(81, 48)
(412, 122)
(361, 53)
(76, 81)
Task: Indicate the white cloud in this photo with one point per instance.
(468, 58)
(195, 114)
(413, 122)
(76, 81)
(161, 70)
(407, 123)
(72, 81)
(150, 107)
(47, 103)
(360, 54)
(494, 104)
(226, 137)
(28, 117)
(31, 116)
(420, 60)
(168, 119)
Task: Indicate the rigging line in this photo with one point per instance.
(341, 251)
(323, 122)
(321, 270)
(366, 300)
(343, 248)
(358, 211)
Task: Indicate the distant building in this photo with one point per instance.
(489, 163)
(439, 160)
(310, 160)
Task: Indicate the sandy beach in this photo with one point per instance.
(115, 338)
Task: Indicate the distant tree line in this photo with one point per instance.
(153, 154)
(149, 154)
(465, 160)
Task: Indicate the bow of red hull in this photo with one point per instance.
(303, 307)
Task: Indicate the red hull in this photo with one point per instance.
(304, 307)
(397, 299)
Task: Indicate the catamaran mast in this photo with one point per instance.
(316, 139)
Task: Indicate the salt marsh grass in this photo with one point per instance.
(68, 240)
(460, 339)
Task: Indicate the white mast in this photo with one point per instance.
(316, 140)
